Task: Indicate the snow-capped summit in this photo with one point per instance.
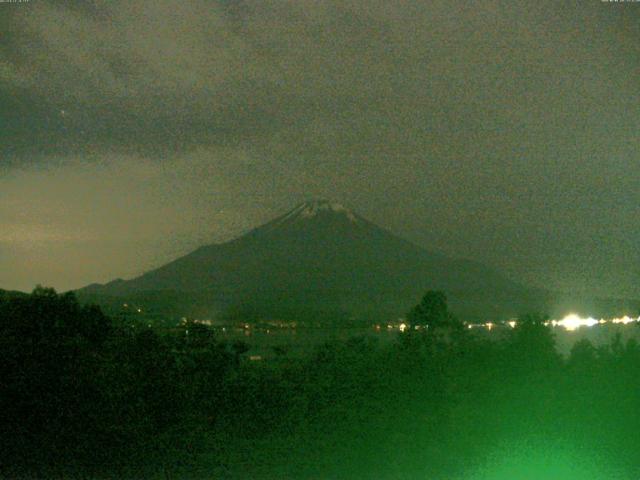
(313, 208)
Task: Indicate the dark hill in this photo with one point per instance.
(9, 294)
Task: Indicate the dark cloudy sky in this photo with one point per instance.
(132, 132)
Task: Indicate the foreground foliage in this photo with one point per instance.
(86, 396)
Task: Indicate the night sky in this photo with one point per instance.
(506, 132)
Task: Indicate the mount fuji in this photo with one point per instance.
(319, 262)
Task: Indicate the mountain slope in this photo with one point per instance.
(321, 259)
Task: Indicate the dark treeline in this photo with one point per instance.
(86, 396)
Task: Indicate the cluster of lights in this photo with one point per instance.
(402, 327)
(137, 309)
(570, 323)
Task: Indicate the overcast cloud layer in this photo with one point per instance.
(132, 132)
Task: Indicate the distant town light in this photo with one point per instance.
(624, 320)
(572, 321)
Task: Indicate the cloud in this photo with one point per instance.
(163, 75)
(494, 121)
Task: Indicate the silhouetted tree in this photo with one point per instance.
(583, 355)
(532, 344)
(432, 311)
